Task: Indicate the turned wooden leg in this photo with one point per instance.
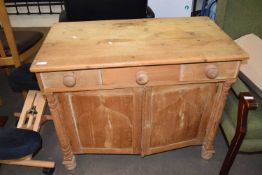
(69, 158)
(207, 151)
(246, 102)
(217, 110)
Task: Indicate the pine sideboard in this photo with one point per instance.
(139, 86)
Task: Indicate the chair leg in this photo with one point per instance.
(246, 102)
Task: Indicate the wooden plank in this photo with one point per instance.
(83, 78)
(122, 43)
(6, 61)
(175, 114)
(40, 103)
(2, 50)
(33, 121)
(114, 124)
(27, 105)
(175, 146)
(32, 163)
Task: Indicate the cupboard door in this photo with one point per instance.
(103, 121)
(176, 116)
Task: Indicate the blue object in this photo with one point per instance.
(209, 9)
(22, 79)
(17, 143)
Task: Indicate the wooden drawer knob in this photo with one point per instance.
(69, 79)
(142, 78)
(212, 71)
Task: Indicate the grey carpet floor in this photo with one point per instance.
(185, 161)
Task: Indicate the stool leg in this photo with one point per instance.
(246, 102)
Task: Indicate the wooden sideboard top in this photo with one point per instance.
(138, 42)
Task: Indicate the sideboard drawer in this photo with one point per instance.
(169, 74)
(138, 76)
(71, 80)
(209, 71)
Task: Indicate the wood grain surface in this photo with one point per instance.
(122, 43)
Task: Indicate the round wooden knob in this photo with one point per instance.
(212, 71)
(69, 79)
(142, 78)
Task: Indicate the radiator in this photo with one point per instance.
(28, 7)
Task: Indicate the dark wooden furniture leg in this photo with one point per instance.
(3, 120)
(246, 102)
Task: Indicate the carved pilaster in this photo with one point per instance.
(218, 106)
(69, 159)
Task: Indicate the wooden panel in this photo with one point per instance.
(68, 121)
(126, 77)
(105, 121)
(176, 116)
(168, 74)
(138, 42)
(53, 81)
(198, 72)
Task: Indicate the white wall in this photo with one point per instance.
(43, 20)
(171, 8)
(33, 20)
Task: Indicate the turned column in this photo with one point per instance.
(69, 158)
(217, 110)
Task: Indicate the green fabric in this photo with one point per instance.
(253, 138)
(248, 145)
(239, 86)
(240, 17)
(221, 12)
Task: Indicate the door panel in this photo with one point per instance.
(176, 116)
(107, 120)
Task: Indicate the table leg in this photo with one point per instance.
(207, 147)
(69, 158)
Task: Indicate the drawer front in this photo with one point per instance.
(71, 80)
(138, 76)
(209, 71)
(169, 74)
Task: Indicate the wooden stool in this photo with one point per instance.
(18, 145)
